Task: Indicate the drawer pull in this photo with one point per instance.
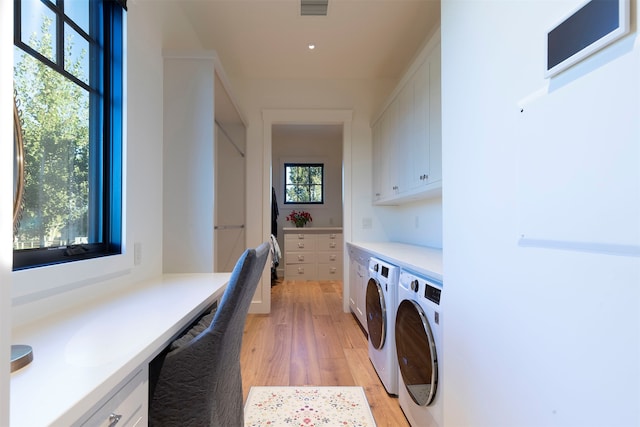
(332, 245)
(332, 270)
(301, 236)
(300, 270)
(300, 257)
(332, 236)
(114, 419)
(301, 245)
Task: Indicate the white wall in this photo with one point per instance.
(543, 332)
(42, 291)
(308, 143)
(418, 223)
(363, 97)
(188, 164)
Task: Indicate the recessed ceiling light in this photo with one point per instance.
(312, 46)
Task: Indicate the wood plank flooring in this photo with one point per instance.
(308, 340)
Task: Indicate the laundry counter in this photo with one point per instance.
(92, 356)
(419, 259)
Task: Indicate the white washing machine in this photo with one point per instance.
(381, 292)
(418, 334)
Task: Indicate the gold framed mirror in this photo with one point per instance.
(18, 166)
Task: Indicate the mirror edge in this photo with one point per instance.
(18, 147)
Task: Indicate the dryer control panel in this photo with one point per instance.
(432, 293)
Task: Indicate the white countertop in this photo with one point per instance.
(312, 229)
(419, 259)
(79, 356)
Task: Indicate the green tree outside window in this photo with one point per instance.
(304, 183)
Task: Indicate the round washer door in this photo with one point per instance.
(376, 314)
(416, 351)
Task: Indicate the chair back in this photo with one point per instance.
(200, 383)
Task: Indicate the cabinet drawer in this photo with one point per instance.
(330, 242)
(295, 237)
(127, 407)
(329, 272)
(300, 258)
(300, 245)
(330, 257)
(300, 271)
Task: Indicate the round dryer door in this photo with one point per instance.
(376, 314)
(416, 352)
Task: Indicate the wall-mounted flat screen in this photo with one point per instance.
(589, 28)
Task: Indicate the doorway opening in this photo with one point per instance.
(283, 120)
(316, 189)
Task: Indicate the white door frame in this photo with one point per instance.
(262, 300)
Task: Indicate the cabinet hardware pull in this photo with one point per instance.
(113, 419)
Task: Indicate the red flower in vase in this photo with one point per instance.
(300, 218)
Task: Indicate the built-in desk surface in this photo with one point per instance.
(81, 355)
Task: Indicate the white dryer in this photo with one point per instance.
(381, 304)
(418, 334)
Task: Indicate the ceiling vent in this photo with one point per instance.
(313, 7)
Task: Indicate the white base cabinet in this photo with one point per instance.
(127, 407)
(358, 278)
(313, 253)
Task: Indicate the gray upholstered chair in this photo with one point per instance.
(197, 381)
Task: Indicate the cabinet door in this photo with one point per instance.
(419, 165)
(376, 147)
(390, 137)
(402, 146)
(362, 279)
(353, 285)
(435, 116)
(127, 408)
(407, 140)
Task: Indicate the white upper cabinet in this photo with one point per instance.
(407, 137)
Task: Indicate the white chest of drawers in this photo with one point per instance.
(313, 253)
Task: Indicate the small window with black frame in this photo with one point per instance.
(304, 183)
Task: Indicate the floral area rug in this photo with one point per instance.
(307, 407)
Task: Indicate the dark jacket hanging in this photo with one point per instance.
(274, 213)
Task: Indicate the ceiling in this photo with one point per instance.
(358, 39)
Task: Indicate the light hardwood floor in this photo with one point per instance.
(308, 340)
